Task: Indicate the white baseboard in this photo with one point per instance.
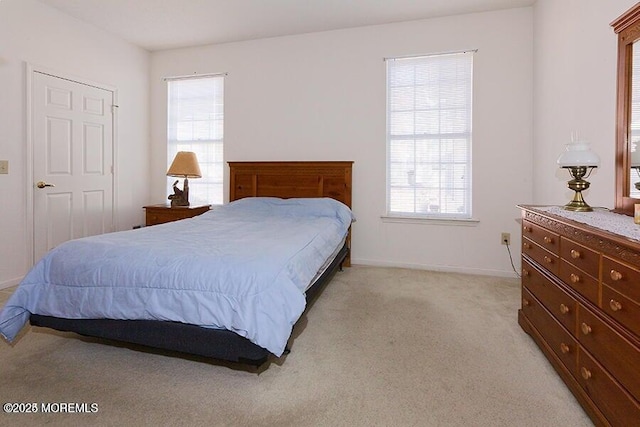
(446, 269)
(373, 263)
(9, 283)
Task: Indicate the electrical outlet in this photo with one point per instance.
(505, 238)
(4, 167)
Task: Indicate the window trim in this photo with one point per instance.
(408, 219)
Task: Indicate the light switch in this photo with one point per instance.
(4, 167)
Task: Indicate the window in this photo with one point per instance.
(429, 136)
(195, 123)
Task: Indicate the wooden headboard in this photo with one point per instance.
(292, 179)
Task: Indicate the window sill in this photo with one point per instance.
(467, 222)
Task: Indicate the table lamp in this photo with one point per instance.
(579, 160)
(185, 164)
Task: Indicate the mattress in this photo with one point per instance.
(243, 267)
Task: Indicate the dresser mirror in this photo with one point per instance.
(634, 123)
(627, 27)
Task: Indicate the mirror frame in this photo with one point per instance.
(627, 27)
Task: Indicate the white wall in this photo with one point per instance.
(575, 53)
(321, 96)
(33, 33)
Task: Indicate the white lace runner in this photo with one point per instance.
(600, 218)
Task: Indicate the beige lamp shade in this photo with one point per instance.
(185, 164)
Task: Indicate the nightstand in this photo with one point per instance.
(159, 214)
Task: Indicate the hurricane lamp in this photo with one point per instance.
(580, 161)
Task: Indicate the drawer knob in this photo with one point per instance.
(586, 374)
(525, 272)
(564, 309)
(526, 245)
(586, 329)
(564, 348)
(575, 254)
(527, 229)
(574, 278)
(525, 302)
(548, 239)
(615, 305)
(547, 260)
(615, 275)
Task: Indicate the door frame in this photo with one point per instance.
(30, 69)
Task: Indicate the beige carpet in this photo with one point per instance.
(380, 347)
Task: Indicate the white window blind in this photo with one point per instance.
(429, 102)
(196, 123)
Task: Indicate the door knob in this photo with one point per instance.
(42, 184)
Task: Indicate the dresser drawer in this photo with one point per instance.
(622, 309)
(622, 278)
(545, 238)
(557, 338)
(540, 255)
(582, 257)
(583, 283)
(619, 356)
(558, 302)
(616, 404)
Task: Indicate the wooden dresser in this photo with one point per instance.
(581, 305)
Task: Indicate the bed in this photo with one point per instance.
(256, 307)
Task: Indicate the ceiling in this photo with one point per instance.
(165, 24)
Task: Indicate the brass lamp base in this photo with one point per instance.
(578, 184)
(578, 204)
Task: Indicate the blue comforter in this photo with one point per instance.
(243, 267)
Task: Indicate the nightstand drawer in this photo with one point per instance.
(160, 214)
(154, 218)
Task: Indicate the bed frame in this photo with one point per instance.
(247, 179)
(292, 179)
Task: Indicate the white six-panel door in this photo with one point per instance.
(72, 133)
